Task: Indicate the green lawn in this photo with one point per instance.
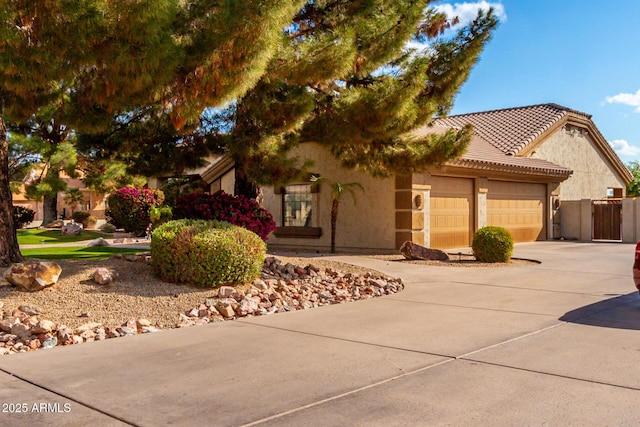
(37, 237)
(77, 252)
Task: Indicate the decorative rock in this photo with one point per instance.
(141, 323)
(225, 291)
(247, 306)
(50, 342)
(31, 310)
(43, 327)
(22, 331)
(105, 276)
(225, 309)
(98, 242)
(87, 327)
(65, 336)
(412, 250)
(281, 288)
(33, 276)
(71, 229)
(8, 323)
(126, 331)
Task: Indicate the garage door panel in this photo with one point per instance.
(451, 208)
(518, 207)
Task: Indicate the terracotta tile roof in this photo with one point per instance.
(511, 129)
(483, 155)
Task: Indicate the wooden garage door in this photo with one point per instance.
(451, 212)
(518, 207)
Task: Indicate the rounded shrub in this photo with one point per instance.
(108, 228)
(130, 207)
(161, 215)
(85, 218)
(492, 244)
(220, 206)
(22, 216)
(206, 253)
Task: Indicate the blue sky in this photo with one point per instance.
(582, 54)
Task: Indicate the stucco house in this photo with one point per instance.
(93, 202)
(528, 169)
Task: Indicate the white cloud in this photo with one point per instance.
(467, 12)
(632, 99)
(623, 148)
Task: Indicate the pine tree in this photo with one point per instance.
(95, 59)
(52, 145)
(343, 77)
(340, 75)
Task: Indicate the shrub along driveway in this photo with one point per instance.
(554, 343)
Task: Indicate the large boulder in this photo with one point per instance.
(33, 276)
(72, 229)
(104, 276)
(100, 241)
(412, 250)
(58, 223)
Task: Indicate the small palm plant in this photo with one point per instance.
(73, 197)
(337, 189)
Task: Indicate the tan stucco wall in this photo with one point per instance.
(369, 224)
(573, 148)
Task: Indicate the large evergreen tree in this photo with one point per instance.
(344, 77)
(51, 144)
(93, 59)
(341, 75)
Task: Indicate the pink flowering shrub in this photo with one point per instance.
(129, 208)
(237, 210)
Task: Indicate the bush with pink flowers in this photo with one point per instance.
(130, 207)
(237, 210)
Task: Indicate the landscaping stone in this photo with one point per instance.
(33, 276)
(412, 250)
(279, 289)
(105, 276)
(100, 241)
(71, 229)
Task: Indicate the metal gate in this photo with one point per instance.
(607, 219)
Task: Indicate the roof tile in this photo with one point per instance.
(511, 129)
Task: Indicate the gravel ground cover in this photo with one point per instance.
(78, 309)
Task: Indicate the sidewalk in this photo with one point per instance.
(547, 344)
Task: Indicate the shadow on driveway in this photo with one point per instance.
(622, 312)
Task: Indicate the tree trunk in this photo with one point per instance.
(334, 220)
(50, 209)
(244, 186)
(9, 249)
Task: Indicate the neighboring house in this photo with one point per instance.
(528, 169)
(92, 202)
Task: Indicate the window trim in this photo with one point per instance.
(299, 232)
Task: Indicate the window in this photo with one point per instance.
(297, 206)
(299, 211)
(615, 193)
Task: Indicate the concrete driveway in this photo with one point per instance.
(556, 343)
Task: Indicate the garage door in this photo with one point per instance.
(518, 207)
(451, 212)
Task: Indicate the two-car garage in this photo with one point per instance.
(517, 206)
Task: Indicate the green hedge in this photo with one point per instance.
(206, 253)
(85, 218)
(492, 244)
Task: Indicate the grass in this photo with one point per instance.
(78, 252)
(37, 237)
